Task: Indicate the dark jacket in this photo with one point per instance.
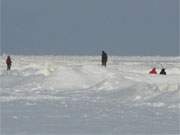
(163, 72)
(104, 56)
(8, 60)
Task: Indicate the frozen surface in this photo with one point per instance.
(74, 95)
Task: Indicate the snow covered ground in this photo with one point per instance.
(74, 95)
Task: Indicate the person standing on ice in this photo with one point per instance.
(8, 62)
(104, 58)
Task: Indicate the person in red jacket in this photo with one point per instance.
(153, 71)
(8, 62)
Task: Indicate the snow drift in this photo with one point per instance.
(75, 94)
(33, 75)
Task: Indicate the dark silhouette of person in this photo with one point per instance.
(8, 62)
(163, 72)
(104, 58)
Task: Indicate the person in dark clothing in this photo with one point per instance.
(104, 58)
(8, 62)
(163, 72)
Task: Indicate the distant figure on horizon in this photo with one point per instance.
(153, 71)
(163, 72)
(8, 62)
(104, 58)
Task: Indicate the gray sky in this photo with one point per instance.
(85, 27)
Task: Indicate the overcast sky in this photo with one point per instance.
(85, 27)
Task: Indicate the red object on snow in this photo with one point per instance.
(153, 71)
